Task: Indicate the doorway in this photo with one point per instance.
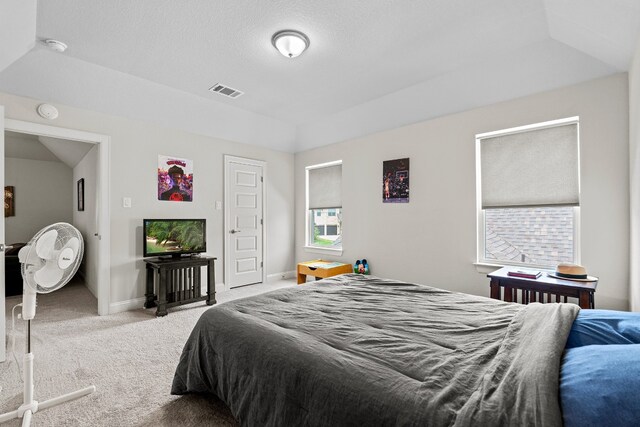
(101, 230)
(39, 175)
(244, 221)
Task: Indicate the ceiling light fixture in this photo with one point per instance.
(290, 43)
(56, 45)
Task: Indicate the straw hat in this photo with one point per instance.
(572, 272)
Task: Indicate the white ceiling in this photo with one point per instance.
(44, 148)
(18, 33)
(69, 152)
(22, 146)
(372, 64)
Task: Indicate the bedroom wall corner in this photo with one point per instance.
(135, 146)
(432, 239)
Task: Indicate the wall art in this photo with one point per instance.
(395, 181)
(175, 179)
(9, 200)
(80, 194)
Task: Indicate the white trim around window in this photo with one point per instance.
(307, 215)
(484, 265)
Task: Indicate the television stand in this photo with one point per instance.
(176, 281)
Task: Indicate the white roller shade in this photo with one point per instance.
(325, 187)
(532, 168)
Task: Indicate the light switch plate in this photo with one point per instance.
(218, 205)
(126, 202)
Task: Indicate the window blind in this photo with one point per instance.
(531, 168)
(325, 187)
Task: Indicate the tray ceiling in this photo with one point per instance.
(397, 62)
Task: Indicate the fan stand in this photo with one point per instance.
(30, 406)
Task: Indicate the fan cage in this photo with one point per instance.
(65, 233)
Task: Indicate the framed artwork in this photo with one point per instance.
(9, 200)
(81, 194)
(395, 181)
(175, 179)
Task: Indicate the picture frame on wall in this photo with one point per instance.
(395, 181)
(175, 179)
(9, 201)
(81, 194)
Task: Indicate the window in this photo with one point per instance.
(326, 229)
(529, 194)
(332, 230)
(324, 206)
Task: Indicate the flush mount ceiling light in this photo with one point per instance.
(290, 43)
(56, 45)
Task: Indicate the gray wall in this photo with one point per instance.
(432, 239)
(43, 195)
(85, 221)
(135, 146)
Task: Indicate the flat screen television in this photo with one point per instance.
(174, 237)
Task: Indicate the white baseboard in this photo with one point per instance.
(281, 276)
(131, 304)
(137, 303)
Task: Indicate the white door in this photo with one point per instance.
(3, 345)
(244, 219)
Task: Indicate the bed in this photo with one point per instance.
(360, 350)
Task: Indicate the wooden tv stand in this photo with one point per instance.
(176, 281)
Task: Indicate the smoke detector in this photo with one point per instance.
(47, 111)
(56, 45)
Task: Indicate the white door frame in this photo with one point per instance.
(103, 222)
(227, 267)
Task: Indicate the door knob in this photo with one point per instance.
(234, 231)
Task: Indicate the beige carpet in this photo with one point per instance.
(130, 357)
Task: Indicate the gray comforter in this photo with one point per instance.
(359, 350)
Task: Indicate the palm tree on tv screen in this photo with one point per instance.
(186, 235)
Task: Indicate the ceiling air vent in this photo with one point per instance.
(225, 90)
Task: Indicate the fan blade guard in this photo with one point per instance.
(68, 254)
(46, 244)
(49, 276)
(28, 256)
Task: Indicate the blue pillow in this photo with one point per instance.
(599, 386)
(604, 327)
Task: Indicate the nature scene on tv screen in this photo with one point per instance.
(175, 236)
